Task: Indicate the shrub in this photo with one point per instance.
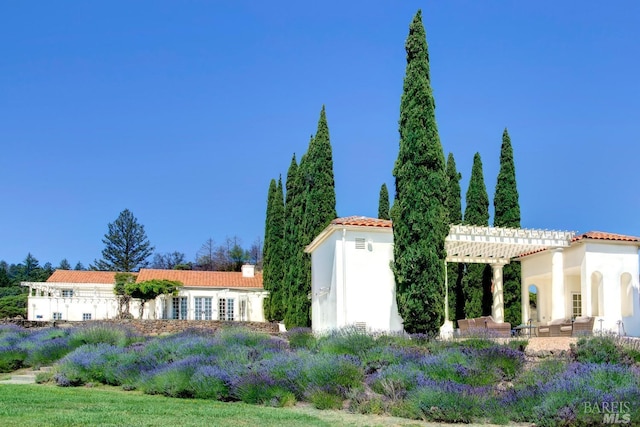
(87, 364)
(245, 337)
(214, 382)
(396, 380)
(325, 400)
(562, 400)
(44, 377)
(348, 340)
(102, 334)
(11, 357)
(259, 387)
(333, 374)
(450, 402)
(301, 338)
(173, 379)
(366, 403)
(597, 349)
(48, 352)
(287, 370)
(507, 361)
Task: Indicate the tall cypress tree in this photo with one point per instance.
(318, 180)
(273, 252)
(477, 278)
(383, 203)
(419, 213)
(319, 200)
(267, 281)
(455, 271)
(507, 214)
(294, 217)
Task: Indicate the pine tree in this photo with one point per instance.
(477, 278)
(507, 214)
(126, 245)
(419, 213)
(455, 271)
(383, 203)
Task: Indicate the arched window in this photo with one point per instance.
(534, 303)
(626, 295)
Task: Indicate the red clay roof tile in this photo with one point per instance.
(362, 221)
(600, 235)
(209, 279)
(80, 276)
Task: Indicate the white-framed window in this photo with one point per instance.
(180, 308)
(203, 308)
(225, 309)
(57, 316)
(576, 305)
(67, 293)
(86, 316)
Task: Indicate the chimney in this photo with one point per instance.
(248, 270)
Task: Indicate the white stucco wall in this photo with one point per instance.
(361, 283)
(326, 267)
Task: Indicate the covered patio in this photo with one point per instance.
(497, 246)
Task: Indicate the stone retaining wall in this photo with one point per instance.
(154, 327)
(170, 326)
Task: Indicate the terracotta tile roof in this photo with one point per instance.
(362, 221)
(209, 279)
(599, 235)
(75, 276)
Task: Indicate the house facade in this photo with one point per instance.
(593, 274)
(597, 276)
(351, 279)
(205, 295)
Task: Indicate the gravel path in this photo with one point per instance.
(549, 345)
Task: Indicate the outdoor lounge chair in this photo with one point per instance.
(499, 329)
(556, 328)
(483, 325)
(583, 326)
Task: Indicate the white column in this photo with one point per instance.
(446, 330)
(524, 299)
(497, 309)
(558, 305)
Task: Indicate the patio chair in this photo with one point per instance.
(556, 328)
(502, 329)
(583, 326)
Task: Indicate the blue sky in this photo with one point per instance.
(183, 111)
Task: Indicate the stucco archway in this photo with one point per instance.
(626, 295)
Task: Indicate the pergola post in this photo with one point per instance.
(497, 309)
(558, 310)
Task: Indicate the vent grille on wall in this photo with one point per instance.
(360, 243)
(361, 326)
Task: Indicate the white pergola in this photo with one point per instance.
(497, 246)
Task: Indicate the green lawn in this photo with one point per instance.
(45, 405)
